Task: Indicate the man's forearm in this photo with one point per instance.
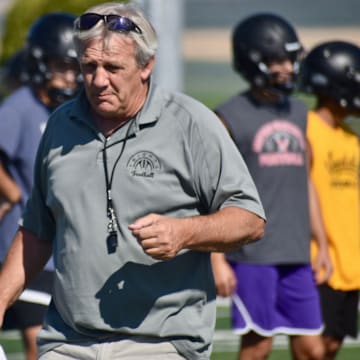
(9, 190)
(26, 257)
(162, 237)
(5, 207)
(225, 230)
(316, 220)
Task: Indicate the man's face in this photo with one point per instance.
(64, 74)
(115, 85)
(282, 71)
(61, 75)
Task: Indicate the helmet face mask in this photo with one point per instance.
(331, 71)
(49, 40)
(261, 40)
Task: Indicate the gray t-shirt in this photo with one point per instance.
(272, 142)
(176, 159)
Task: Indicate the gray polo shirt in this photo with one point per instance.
(176, 159)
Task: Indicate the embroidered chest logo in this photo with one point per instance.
(143, 164)
(279, 143)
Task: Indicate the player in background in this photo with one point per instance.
(331, 72)
(272, 283)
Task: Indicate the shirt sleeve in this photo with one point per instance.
(223, 178)
(37, 216)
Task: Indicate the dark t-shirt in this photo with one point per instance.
(22, 121)
(272, 142)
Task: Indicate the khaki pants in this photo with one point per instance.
(135, 349)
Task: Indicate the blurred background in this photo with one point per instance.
(195, 57)
(208, 25)
(195, 53)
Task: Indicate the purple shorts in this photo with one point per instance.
(274, 300)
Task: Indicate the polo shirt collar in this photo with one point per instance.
(152, 108)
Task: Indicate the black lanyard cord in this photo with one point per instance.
(108, 180)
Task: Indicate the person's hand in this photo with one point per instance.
(161, 237)
(322, 267)
(5, 206)
(224, 276)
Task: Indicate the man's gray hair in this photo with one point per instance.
(145, 43)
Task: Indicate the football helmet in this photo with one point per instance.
(50, 38)
(332, 70)
(261, 39)
(13, 73)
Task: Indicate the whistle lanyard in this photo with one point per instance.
(112, 228)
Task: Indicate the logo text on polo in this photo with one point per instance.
(143, 164)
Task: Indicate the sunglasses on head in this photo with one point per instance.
(112, 22)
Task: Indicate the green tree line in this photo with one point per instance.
(22, 14)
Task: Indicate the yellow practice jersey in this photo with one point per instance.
(335, 173)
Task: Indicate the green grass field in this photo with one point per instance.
(225, 346)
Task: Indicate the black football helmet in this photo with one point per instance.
(332, 70)
(51, 38)
(13, 74)
(260, 39)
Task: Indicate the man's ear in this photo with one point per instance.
(147, 69)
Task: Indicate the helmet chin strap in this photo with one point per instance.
(284, 88)
(57, 95)
(280, 90)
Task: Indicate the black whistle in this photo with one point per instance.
(112, 242)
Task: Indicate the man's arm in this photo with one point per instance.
(224, 276)
(322, 266)
(163, 237)
(26, 257)
(9, 192)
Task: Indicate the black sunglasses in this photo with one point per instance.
(112, 22)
